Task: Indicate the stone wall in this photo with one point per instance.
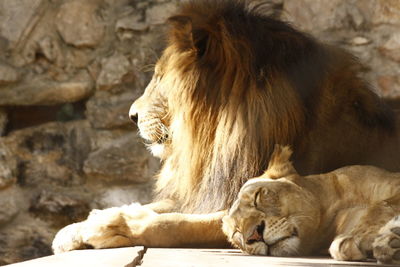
(69, 71)
(367, 28)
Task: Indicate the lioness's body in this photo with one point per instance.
(351, 210)
(345, 198)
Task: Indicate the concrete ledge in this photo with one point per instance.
(154, 257)
(118, 257)
(234, 258)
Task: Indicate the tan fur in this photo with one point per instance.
(139, 225)
(231, 84)
(352, 210)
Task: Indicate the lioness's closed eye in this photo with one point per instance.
(284, 214)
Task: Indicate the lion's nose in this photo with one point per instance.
(133, 114)
(133, 118)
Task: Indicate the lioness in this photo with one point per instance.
(353, 210)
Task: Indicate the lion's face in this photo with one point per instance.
(272, 217)
(150, 112)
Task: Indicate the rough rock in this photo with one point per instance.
(53, 202)
(8, 165)
(107, 112)
(44, 47)
(25, 239)
(51, 49)
(42, 91)
(126, 159)
(114, 70)
(79, 58)
(59, 208)
(51, 154)
(8, 74)
(391, 48)
(18, 17)
(116, 196)
(79, 24)
(385, 12)
(316, 15)
(128, 25)
(10, 203)
(359, 40)
(389, 85)
(158, 14)
(3, 121)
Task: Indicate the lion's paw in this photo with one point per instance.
(68, 238)
(345, 248)
(113, 227)
(386, 246)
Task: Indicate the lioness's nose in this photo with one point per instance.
(133, 114)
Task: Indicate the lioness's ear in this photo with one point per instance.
(279, 163)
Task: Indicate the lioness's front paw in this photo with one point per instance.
(386, 246)
(68, 238)
(345, 248)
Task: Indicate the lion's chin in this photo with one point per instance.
(158, 150)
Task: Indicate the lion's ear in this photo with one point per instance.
(181, 31)
(183, 23)
(186, 36)
(200, 41)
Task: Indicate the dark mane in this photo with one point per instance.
(247, 82)
(261, 43)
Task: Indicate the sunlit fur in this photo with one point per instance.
(353, 211)
(235, 83)
(231, 84)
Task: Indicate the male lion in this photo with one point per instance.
(230, 84)
(355, 210)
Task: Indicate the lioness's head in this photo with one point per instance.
(274, 217)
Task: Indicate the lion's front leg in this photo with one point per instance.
(185, 230)
(68, 238)
(77, 235)
(105, 229)
(139, 225)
